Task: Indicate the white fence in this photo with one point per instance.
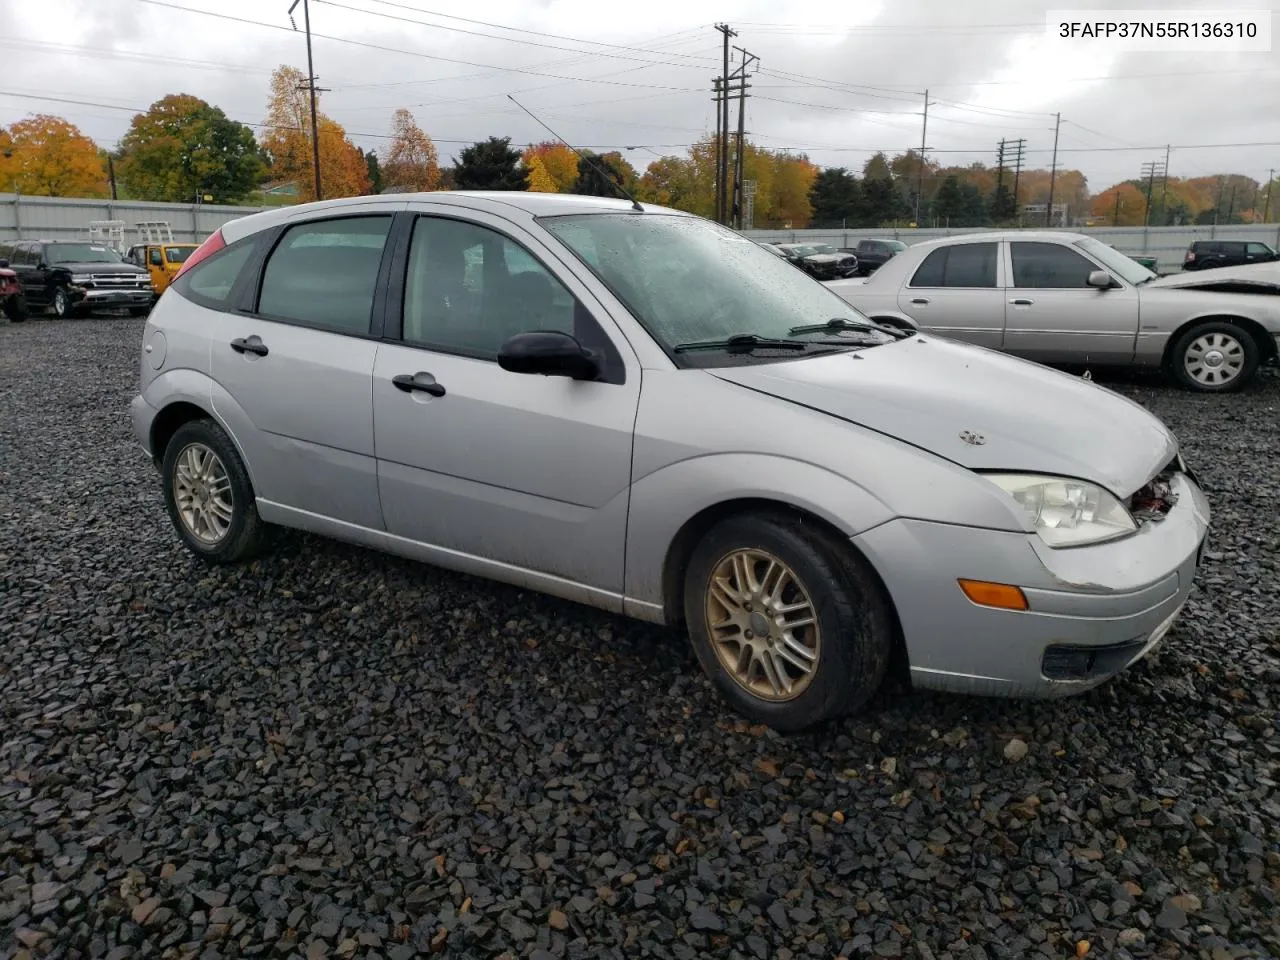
(1166, 244)
(58, 218)
(33, 218)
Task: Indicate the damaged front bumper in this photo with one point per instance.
(1092, 610)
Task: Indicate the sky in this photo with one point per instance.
(834, 81)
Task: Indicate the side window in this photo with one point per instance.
(1049, 266)
(155, 257)
(959, 265)
(323, 273)
(469, 288)
(1259, 250)
(211, 281)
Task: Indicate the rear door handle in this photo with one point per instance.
(253, 344)
(1022, 302)
(920, 300)
(409, 382)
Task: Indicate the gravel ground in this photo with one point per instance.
(335, 753)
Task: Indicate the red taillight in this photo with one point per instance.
(211, 245)
(1189, 257)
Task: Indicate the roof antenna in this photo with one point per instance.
(635, 204)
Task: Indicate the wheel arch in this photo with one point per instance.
(182, 410)
(1257, 332)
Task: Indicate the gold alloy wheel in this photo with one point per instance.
(762, 624)
(202, 491)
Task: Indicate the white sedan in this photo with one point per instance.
(1059, 297)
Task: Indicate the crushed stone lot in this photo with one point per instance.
(333, 753)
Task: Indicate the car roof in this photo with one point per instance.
(501, 202)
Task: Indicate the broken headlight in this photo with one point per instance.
(1064, 512)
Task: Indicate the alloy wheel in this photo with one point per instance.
(202, 493)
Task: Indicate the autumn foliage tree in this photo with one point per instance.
(183, 146)
(1120, 206)
(287, 142)
(558, 161)
(539, 179)
(411, 162)
(52, 158)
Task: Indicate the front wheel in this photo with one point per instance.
(62, 306)
(792, 627)
(208, 495)
(1214, 357)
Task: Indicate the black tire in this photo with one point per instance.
(1235, 335)
(15, 308)
(61, 304)
(246, 534)
(139, 311)
(854, 618)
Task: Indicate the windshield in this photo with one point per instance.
(688, 279)
(81, 253)
(897, 245)
(823, 248)
(178, 254)
(1128, 269)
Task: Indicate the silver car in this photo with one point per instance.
(638, 409)
(1059, 297)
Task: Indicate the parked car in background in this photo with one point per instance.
(73, 277)
(12, 305)
(821, 260)
(873, 254)
(1059, 297)
(161, 260)
(1209, 254)
(639, 409)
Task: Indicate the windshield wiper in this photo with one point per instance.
(743, 343)
(842, 323)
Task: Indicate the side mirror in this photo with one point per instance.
(549, 353)
(42, 265)
(1101, 279)
(3, 263)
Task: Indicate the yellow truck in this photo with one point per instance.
(161, 260)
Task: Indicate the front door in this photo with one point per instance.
(955, 292)
(1053, 315)
(295, 375)
(155, 267)
(509, 469)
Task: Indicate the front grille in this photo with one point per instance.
(116, 281)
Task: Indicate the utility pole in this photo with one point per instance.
(1149, 171)
(1115, 216)
(748, 60)
(111, 174)
(1017, 147)
(723, 199)
(924, 131)
(310, 85)
(1231, 204)
(1266, 204)
(1053, 171)
(716, 85)
(1164, 189)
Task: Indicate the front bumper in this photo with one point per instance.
(113, 298)
(1093, 611)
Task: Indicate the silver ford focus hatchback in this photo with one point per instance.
(638, 409)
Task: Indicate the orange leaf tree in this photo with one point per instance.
(287, 142)
(52, 158)
(560, 163)
(411, 162)
(1123, 205)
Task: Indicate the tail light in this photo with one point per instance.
(1191, 255)
(212, 244)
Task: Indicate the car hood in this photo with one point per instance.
(1266, 275)
(828, 257)
(92, 267)
(978, 408)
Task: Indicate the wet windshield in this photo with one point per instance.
(688, 279)
(1127, 268)
(81, 253)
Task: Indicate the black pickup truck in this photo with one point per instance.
(73, 277)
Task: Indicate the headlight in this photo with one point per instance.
(80, 278)
(1066, 513)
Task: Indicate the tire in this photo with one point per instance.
(61, 304)
(15, 308)
(1238, 351)
(245, 534)
(854, 638)
(139, 311)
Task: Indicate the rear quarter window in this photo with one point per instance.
(213, 281)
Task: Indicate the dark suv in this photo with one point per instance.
(1206, 254)
(77, 276)
(873, 254)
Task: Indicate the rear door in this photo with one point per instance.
(956, 292)
(26, 258)
(294, 365)
(502, 468)
(1053, 315)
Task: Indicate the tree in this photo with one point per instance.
(560, 163)
(881, 203)
(793, 178)
(491, 165)
(948, 204)
(52, 158)
(373, 170)
(183, 146)
(1120, 206)
(597, 172)
(834, 197)
(877, 168)
(287, 142)
(670, 182)
(539, 180)
(412, 162)
(1004, 207)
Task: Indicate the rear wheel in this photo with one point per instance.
(15, 307)
(208, 495)
(1214, 357)
(792, 627)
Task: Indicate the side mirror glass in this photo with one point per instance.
(1100, 279)
(549, 353)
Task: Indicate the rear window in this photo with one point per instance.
(960, 265)
(211, 281)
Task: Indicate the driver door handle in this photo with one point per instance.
(920, 300)
(408, 382)
(253, 344)
(1022, 302)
